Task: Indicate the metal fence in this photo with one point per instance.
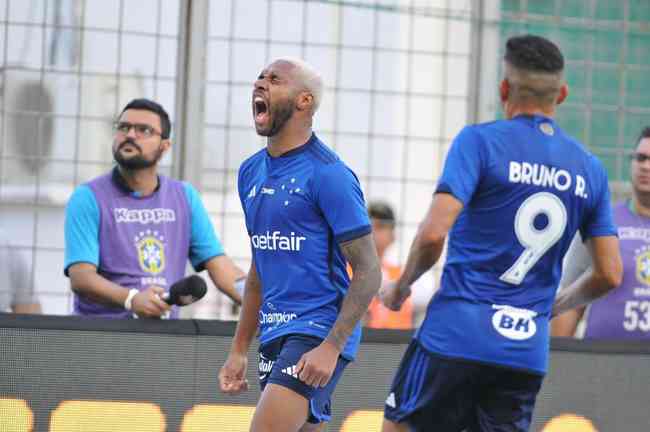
(401, 79)
(67, 67)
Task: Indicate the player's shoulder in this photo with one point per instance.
(494, 130)
(576, 150)
(175, 183)
(573, 142)
(191, 193)
(250, 163)
(104, 179)
(327, 164)
(83, 193)
(82, 200)
(490, 126)
(319, 153)
(475, 132)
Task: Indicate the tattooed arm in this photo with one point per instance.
(316, 367)
(366, 279)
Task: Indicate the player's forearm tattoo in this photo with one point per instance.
(362, 256)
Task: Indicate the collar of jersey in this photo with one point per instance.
(294, 152)
(536, 118)
(121, 184)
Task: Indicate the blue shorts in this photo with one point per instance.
(430, 392)
(277, 363)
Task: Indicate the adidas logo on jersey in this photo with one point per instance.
(390, 400)
(291, 370)
(251, 194)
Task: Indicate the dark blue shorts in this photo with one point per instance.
(430, 392)
(277, 365)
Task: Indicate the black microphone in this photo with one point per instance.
(186, 291)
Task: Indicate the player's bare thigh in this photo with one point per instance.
(280, 409)
(391, 426)
(312, 427)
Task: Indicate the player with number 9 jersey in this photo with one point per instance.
(512, 195)
(526, 187)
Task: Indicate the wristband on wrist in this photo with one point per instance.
(129, 299)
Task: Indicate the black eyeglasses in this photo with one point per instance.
(141, 130)
(640, 157)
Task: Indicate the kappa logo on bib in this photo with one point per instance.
(514, 323)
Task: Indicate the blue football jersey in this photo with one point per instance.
(298, 208)
(527, 188)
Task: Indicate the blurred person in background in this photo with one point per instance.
(306, 217)
(624, 313)
(130, 232)
(511, 197)
(16, 294)
(382, 218)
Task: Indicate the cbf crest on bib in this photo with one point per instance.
(151, 251)
(642, 259)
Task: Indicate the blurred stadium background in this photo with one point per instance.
(402, 77)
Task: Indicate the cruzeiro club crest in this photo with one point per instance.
(151, 251)
(643, 265)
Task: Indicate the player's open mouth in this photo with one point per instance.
(260, 109)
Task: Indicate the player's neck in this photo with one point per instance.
(513, 111)
(291, 136)
(142, 181)
(641, 205)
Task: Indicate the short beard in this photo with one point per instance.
(280, 117)
(138, 162)
(642, 197)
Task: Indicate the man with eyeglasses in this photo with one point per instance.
(625, 312)
(130, 232)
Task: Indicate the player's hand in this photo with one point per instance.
(232, 376)
(315, 367)
(391, 296)
(148, 303)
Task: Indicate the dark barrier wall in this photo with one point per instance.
(68, 373)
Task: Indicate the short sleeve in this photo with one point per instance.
(339, 197)
(81, 229)
(241, 192)
(463, 166)
(204, 243)
(599, 221)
